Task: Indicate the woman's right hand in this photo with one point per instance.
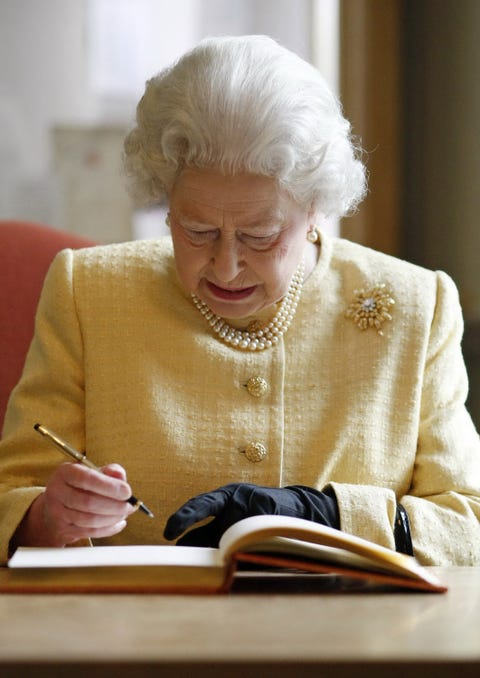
(78, 503)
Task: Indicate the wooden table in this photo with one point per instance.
(269, 635)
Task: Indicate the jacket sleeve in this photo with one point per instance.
(44, 396)
(443, 502)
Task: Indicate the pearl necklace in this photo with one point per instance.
(257, 338)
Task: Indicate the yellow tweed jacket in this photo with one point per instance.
(123, 365)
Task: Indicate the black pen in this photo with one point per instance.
(82, 458)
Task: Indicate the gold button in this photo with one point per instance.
(255, 452)
(257, 386)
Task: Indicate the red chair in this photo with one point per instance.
(26, 251)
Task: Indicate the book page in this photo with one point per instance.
(317, 552)
(112, 556)
(250, 533)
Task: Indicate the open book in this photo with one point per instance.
(263, 545)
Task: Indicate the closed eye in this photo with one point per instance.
(258, 242)
(201, 237)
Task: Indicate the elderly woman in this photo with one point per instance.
(294, 372)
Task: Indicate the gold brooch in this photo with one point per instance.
(371, 308)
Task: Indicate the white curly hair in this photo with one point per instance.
(245, 104)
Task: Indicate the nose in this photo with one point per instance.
(226, 260)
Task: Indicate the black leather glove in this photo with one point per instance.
(231, 503)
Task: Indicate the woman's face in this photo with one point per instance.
(237, 239)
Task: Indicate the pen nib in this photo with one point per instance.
(146, 510)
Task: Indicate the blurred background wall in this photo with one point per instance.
(442, 172)
(71, 72)
(410, 84)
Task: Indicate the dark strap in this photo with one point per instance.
(401, 532)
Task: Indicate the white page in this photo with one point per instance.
(96, 556)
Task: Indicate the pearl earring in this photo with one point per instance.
(167, 220)
(313, 235)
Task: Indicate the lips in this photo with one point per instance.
(230, 295)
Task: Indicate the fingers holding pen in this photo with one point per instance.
(116, 471)
(80, 502)
(83, 489)
(59, 530)
(105, 492)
